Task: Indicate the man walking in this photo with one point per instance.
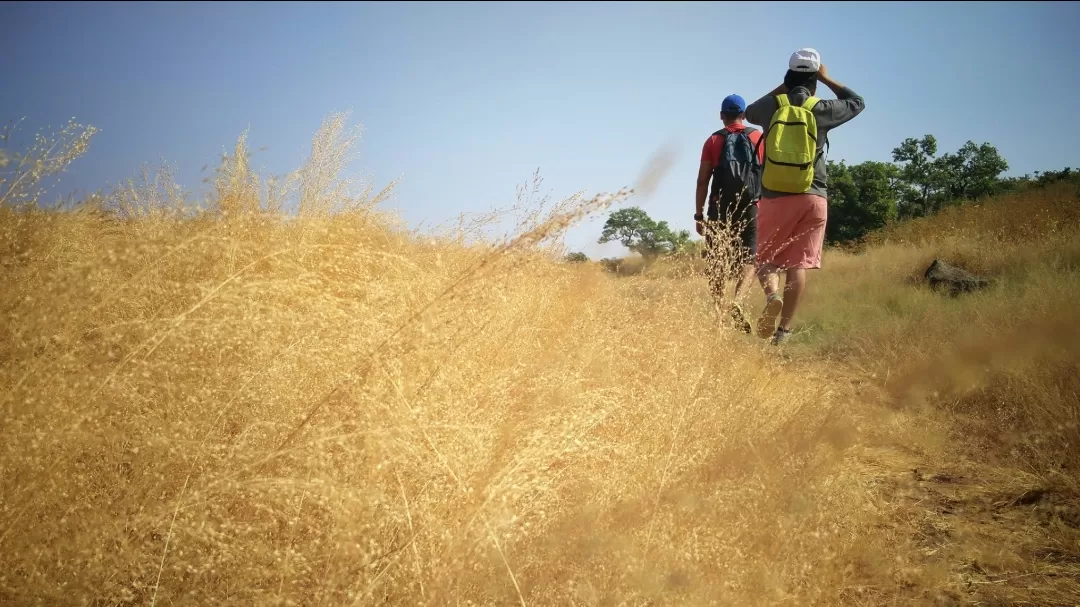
(793, 208)
(731, 158)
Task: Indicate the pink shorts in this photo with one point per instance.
(791, 231)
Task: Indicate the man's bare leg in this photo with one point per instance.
(745, 278)
(770, 280)
(794, 284)
(770, 283)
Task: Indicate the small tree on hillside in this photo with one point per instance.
(972, 172)
(920, 177)
(926, 183)
(635, 230)
(577, 257)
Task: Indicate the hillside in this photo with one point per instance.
(981, 390)
(224, 407)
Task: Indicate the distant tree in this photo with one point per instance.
(635, 230)
(611, 264)
(693, 248)
(1048, 177)
(576, 257)
(920, 178)
(1040, 179)
(681, 241)
(972, 172)
(927, 183)
(862, 198)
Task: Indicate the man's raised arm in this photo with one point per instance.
(761, 111)
(847, 105)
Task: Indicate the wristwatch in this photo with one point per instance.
(699, 217)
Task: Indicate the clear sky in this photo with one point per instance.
(464, 101)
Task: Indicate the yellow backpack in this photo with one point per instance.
(791, 147)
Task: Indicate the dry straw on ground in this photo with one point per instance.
(224, 407)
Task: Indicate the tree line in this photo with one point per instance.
(867, 196)
(864, 197)
(918, 182)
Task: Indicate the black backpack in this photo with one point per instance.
(736, 178)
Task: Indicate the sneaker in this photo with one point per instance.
(767, 323)
(739, 319)
(781, 336)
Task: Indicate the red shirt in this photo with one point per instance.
(714, 145)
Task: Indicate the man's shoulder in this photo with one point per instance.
(712, 146)
(759, 111)
(750, 131)
(724, 133)
(716, 138)
(764, 100)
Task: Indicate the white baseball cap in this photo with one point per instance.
(804, 60)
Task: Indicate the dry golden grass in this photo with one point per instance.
(985, 387)
(224, 407)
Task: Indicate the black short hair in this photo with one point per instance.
(796, 79)
(731, 115)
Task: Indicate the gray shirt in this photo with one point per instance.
(829, 113)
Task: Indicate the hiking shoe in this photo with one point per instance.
(781, 336)
(767, 323)
(740, 320)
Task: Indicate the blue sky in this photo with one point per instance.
(465, 101)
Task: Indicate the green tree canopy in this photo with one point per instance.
(972, 172)
(634, 229)
(862, 198)
(919, 175)
(927, 183)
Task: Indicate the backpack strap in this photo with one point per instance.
(760, 141)
(723, 135)
(781, 102)
(809, 105)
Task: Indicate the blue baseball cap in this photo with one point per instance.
(733, 104)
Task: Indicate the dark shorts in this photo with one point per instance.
(732, 233)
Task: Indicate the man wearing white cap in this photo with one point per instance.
(793, 207)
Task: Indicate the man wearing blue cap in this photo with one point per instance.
(732, 160)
